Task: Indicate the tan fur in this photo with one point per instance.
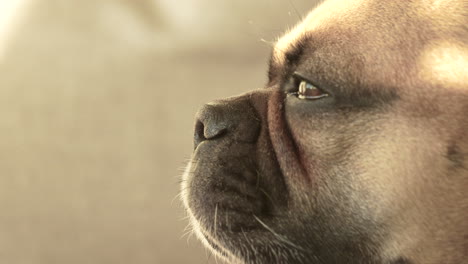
(398, 166)
(445, 63)
(426, 56)
(362, 27)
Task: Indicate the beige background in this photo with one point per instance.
(97, 100)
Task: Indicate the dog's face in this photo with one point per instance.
(355, 152)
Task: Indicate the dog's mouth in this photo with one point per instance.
(232, 200)
(235, 187)
(226, 197)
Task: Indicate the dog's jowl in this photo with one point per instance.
(356, 151)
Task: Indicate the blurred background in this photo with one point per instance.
(97, 99)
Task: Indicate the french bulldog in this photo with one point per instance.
(356, 151)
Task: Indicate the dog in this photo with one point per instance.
(356, 151)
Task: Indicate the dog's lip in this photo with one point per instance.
(237, 202)
(236, 195)
(228, 209)
(229, 213)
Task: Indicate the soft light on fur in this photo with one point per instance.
(374, 173)
(445, 63)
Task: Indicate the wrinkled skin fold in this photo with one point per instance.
(376, 171)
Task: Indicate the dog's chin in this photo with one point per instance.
(231, 205)
(225, 221)
(244, 239)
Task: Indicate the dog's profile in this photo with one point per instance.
(355, 152)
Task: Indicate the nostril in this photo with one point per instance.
(228, 120)
(199, 133)
(209, 129)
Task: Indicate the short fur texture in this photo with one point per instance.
(376, 172)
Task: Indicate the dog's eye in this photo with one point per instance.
(308, 91)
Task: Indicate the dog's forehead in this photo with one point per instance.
(322, 16)
(426, 39)
(445, 63)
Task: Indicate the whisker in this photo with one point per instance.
(184, 218)
(178, 196)
(215, 220)
(268, 196)
(269, 43)
(295, 9)
(280, 237)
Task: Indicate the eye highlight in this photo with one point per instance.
(308, 91)
(304, 89)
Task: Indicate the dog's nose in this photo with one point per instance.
(234, 118)
(211, 123)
